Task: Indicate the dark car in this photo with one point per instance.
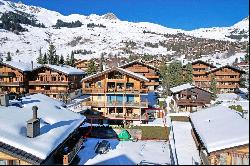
(102, 147)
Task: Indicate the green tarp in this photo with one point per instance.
(124, 135)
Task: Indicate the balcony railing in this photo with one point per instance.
(114, 90)
(93, 90)
(190, 102)
(48, 91)
(115, 104)
(128, 117)
(3, 83)
(68, 158)
(48, 83)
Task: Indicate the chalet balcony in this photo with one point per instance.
(65, 83)
(186, 102)
(199, 72)
(48, 91)
(3, 83)
(139, 69)
(151, 76)
(93, 90)
(227, 79)
(201, 79)
(227, 86)
(226, 73)
(115, 104)
(151, 83)
(126, 117)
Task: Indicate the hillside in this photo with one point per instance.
(25, 29)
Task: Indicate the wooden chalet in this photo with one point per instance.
(189, 98)
(148, 71)
(55, 81)
(14, 77)
(221, 136)
(117, 93)
(227, 77)
(84, 64)
(58, 140)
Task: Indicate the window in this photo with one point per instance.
(3, 162)
(99, 84)
(53, 78)
(87, 85)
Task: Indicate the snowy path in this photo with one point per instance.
(186, 150)
(126, 152)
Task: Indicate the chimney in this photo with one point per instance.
(32, 65)
(4, 100)
(33, 125)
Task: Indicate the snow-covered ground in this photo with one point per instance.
(187, 153)
(126, 153)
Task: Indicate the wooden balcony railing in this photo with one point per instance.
(68, 158)
(93, 90)
(47, 91)
(199, 72)
(227, 86)
(151, 76)
(49, 83)
(186, 102)
(115, 104)
(226, 73)
(3, 83)
(114, 90)
(151, 83)
(123, 116)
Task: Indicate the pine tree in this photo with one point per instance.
(56, 60)
(40, 57)
(188, 76)
(67, 62)
(45, 59)
(8, 58)
(51, 54)
(72, 59)
(175, 74)
(164, 74)
(91, 68)
(213, 87)
(101, 62)
(61, 61)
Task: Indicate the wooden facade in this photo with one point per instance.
(13, 80)
(6, 159)
(227, 77)
(116, 94)
(53, 83)
(84, 64)
(191, 99)
(148, 71)
(238, 155)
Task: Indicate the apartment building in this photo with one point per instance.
(55, 80)
(117, 93)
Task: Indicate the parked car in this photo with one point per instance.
(102, 147)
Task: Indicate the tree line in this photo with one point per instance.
(50, 57)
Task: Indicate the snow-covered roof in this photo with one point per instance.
(220, 127)
(226, 66)
(56, 124)
(138, 61)
(21, 65)
(229, 97)
(181, 87)
(139, 76)
(64, 69)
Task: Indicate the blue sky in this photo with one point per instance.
(182, 14)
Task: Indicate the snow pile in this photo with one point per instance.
(126, 153)
(220, 127)
(56, 124)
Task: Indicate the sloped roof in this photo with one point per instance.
(132, 74)
(220, 128)
(56, 124)
(138, 61)
(226, 66)
(206, 63)
(21, 66)
(181, 87)
(63, 69)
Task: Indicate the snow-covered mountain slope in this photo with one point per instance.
(224, 33)
(111, 38)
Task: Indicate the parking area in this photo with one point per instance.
(126, 153)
